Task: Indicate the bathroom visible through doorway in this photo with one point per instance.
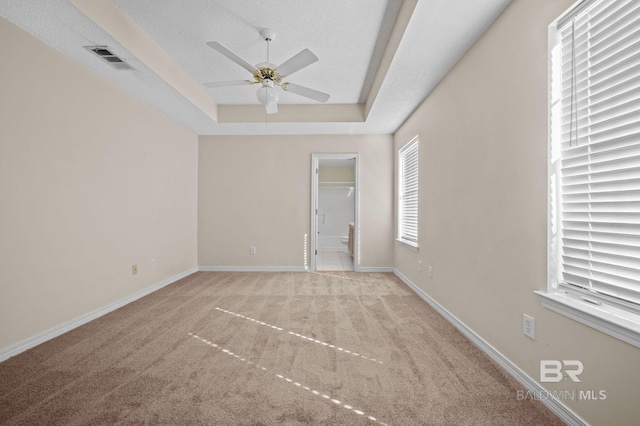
(334, 244)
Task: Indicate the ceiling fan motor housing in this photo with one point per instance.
(266, 71)
(268, 34)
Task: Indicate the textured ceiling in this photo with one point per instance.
(326, 28)
(378, 59)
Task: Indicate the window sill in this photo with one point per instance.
(410, 246)
(615, 322)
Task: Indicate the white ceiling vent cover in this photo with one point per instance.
(105, 54)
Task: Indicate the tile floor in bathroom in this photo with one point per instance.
(334, 261)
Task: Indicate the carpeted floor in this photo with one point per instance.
(224, 348)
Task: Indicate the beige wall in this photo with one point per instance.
(483, 211)
(92, 181)
(256, 191)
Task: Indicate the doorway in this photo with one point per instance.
(334, 212)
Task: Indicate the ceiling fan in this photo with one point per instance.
(270, 76)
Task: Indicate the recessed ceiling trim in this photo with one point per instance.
(397, 33)
(288, 113)
(122, 28)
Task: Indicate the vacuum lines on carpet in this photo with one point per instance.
(291, 381)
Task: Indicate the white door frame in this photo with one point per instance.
(315, 162)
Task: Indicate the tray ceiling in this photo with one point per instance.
(378, 59)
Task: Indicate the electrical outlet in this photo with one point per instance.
(430, 271)
(529, 326)
(153, 264)
(253, 250)
(134, 269)
(419, 265)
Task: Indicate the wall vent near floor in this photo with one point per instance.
(105, 54)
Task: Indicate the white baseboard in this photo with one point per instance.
(375, 269)
(281, 269)
(251, 269)
(555, 405)
(29, 343)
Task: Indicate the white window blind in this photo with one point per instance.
(596, 133)
(408, 191)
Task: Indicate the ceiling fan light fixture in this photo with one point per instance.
(266, 95)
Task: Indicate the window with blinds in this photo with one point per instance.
(408, 194)
(595, 154)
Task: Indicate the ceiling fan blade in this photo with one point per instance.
(271, 108)
(229, 54)
(297, 62)
(227, 83)
(306, 92)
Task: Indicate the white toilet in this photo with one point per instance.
(345, 243)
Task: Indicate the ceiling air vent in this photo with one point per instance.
(105, 54)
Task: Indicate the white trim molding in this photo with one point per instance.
(605, 320)
(56, 331)
(252, 269)
(412, 247)
(552, 403)
(375, 269)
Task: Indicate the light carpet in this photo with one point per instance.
(230, 348)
